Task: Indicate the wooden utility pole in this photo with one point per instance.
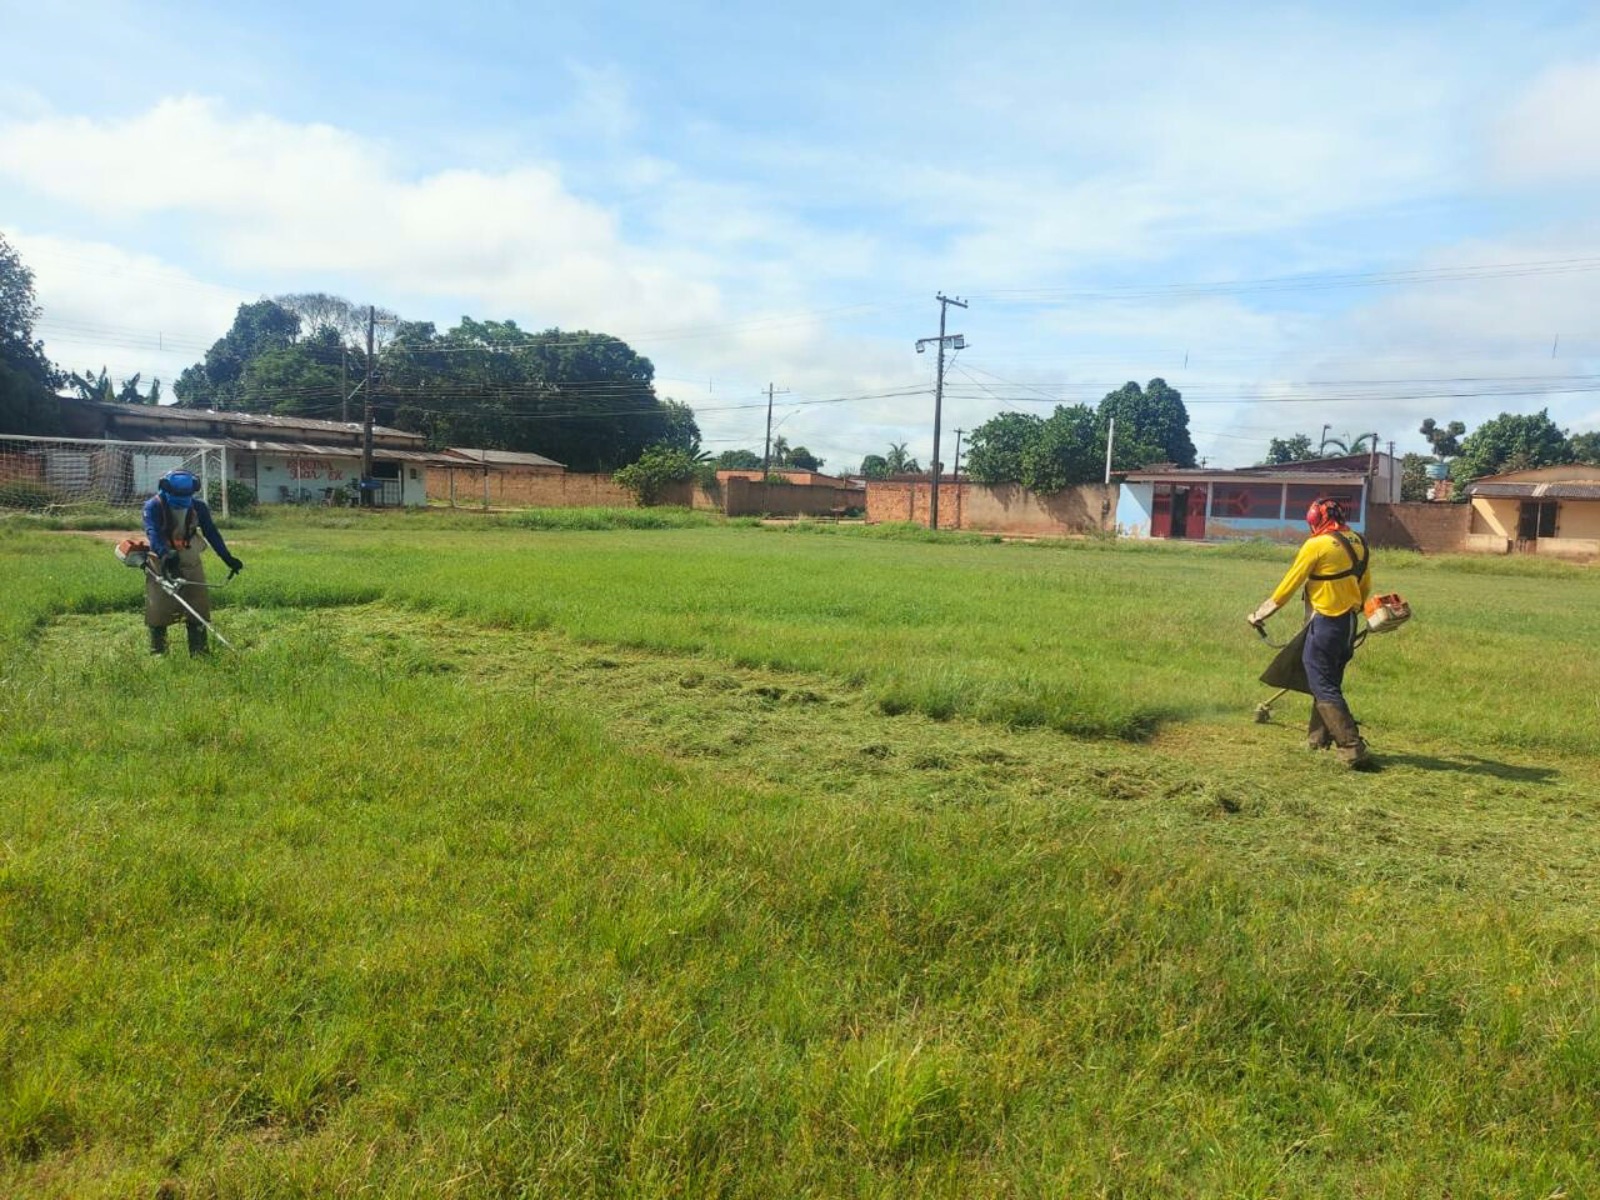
(766, 453)
(367, 498)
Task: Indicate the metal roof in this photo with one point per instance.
(1565, 489)
(171, 414)
(503, 458)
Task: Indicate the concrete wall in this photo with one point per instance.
(1135, 504)
(1428, 528)
(311, 479)
(1004, 508)
(747, 497)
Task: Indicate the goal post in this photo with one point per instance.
(40, 474)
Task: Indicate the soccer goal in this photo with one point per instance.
(59, 474)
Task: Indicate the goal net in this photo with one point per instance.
(55, 474)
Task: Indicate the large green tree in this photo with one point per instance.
(1445, 439)
(1585, 447)
(998, 445)
(1152, 425)
(217, 381)
(1069, 450)
(738, 460)
(873, 466)
(27, 377)
(1512, 442)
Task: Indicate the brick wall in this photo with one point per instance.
(546, 488)
(1430, 528)
(1004, 508)
(746, 497)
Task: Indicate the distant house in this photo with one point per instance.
(285, 460)
(1548, 510)
(1250, 502)
(787, 475)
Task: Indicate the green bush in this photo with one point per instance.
(241, 496)
(26, 495)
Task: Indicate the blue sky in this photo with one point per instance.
(777, 194)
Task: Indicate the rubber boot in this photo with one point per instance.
(158, 638)
(197, 640)
(1346, 736)
(1317, 735)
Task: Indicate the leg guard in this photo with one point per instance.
(197, 639)
(1317, 735)
(158, 638)
(1346, 735)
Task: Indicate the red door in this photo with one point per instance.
(1195, 526)
(1161, 511)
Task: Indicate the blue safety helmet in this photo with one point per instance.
(179, 487)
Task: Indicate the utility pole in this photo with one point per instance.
(367, 498)
(956, 474)
(344, 384)
(956, 342)
(1111, 438)
(766, 453)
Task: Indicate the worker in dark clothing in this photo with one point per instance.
(178, 526)
(1332, 566)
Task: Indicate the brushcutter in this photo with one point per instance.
(1287, 673)
(136, 553)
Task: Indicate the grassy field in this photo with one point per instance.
(526, 856)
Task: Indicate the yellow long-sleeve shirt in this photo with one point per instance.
(1323, 555)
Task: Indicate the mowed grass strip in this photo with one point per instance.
(318, 918)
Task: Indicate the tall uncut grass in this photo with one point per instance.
(436, 888)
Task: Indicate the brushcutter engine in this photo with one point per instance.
(1386, 613)
(133, 552)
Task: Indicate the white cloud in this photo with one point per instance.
(1551, 133)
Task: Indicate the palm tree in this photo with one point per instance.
(899, 462)
(1365, 441)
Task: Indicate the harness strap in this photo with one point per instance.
(1358, 565)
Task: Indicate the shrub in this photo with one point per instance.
(241, 496)
(657, 467)
(28, 496)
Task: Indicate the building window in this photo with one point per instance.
(1536, 519)
(1248, 501)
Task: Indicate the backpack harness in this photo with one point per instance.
(1357, 567)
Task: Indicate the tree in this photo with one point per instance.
(27, 378)
(1512, 442)
(257, 328)
(1585, 447)
(997, 447)
(1069, 450)
(1152, 425)
(1287, 450)
(1414, 477)
(657, 468)
(1348, 445)
(802, 459)
(738, 460)
(899, 462)
(19, 349)
(681, 431)
(874, 466)
(1445, 440)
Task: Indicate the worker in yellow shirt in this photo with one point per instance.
(1332, 566)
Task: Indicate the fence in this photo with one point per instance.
(51, 474)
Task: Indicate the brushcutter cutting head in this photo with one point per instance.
(133, 552)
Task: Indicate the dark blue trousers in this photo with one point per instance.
(1330, 643)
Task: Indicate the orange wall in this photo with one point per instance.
(1004, 508)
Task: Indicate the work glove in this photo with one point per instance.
(235, 565)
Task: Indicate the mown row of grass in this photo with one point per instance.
(1098, 639)
(314, 921)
